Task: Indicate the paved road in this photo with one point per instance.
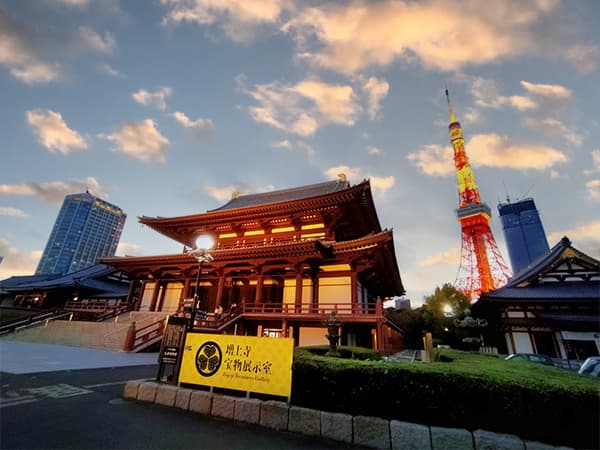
(83, 408)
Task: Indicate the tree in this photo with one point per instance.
(441, 307)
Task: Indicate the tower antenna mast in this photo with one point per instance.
(482, 267)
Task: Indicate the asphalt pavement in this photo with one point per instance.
(20, 357)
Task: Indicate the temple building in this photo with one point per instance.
(282, 262)
(551, 307)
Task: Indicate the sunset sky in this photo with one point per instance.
(166, 107)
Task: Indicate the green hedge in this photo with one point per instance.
(534, 402)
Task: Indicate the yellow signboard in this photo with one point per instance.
(245, 363)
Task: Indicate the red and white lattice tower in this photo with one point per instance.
(482, 267)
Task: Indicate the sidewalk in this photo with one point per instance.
(18, 357)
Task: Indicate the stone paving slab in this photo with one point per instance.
(409, 436)
(337, 426)
(247, 410)
(201, 402)
(371, 432)
(274, 414)
(450, 438)
(487, 440)
(147, 391)
(305, 421)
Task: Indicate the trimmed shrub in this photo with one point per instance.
(535, 402)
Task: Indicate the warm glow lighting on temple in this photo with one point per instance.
(227, 235)
(282, 230)
(335, 267)
(313, 235)
(254, 232)
(313, 226)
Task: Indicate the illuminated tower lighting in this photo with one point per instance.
(482, 268)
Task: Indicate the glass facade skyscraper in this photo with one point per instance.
(86, 229)
(524, 233)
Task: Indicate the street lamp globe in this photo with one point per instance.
(200, 252)
(204, 242)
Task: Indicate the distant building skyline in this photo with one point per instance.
(86, 229)
(523, 231)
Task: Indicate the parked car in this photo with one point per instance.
(531, 357)
(590, 366)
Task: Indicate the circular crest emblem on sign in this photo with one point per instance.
(208, 359)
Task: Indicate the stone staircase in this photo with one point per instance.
(109, 335)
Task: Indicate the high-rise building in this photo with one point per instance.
(86, 229)
(524, 233)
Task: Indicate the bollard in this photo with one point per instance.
(130, 338)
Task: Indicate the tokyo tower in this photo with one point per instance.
(482, 268)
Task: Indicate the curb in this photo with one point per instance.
(365, 431)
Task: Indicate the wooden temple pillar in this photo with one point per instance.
(314, 276)
(220, 287)
(353, 289)
(259, 285)
(185, 293)
(298, 293)
(154, 300)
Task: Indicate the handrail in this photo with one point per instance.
(31, 321)
(144, 334)
(340, 309)
(113, 312)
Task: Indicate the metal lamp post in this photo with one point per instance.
(200, 252)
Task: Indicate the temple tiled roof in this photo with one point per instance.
(563, 274)
(91, 278)
(351, 201)
(283, 195)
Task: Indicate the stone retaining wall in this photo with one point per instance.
(365, 431)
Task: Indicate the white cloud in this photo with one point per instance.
(95, 42)
(593, 188)
(556, 175)
(76, 3)
(448, 257)
(200, 127)
(355, 175)
(555, 127)
(487, 95)
(141, 140)
(583, 57)
(12, 212)
(54, 192)
(111, 71)
(304, 107)
(585, 237)
(239, 19)
(522, 102)
(348, 37)
(16, 261)
(36, 73)
(372, 150)
(156, 99)
(595, 154)
(282, 144)
(376, 90)
(35, 54)
(489, 150)
(127, 249)
(53, 133)
(553, 92)
(433, 160)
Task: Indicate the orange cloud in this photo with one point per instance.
(489, 150)
(448, 257)
(439, 34)
(53, 133)
(141, 140)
